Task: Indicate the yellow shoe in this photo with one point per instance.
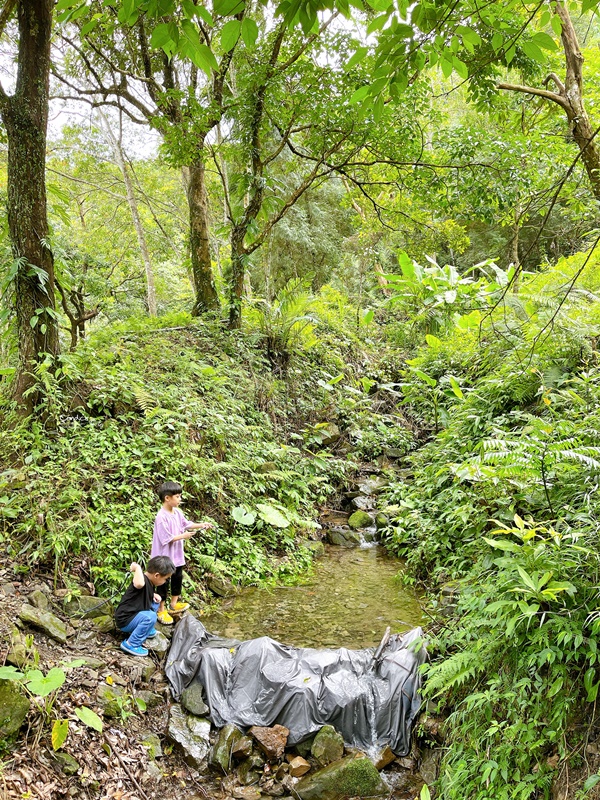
(164, 618)
(179, 607)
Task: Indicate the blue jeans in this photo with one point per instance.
(139, 627)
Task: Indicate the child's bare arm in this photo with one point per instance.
(138, 575)
(199, 526)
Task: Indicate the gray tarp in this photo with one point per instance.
(263, 682)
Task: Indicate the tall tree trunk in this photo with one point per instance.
(25, 116)
(207, 298)
(569, 96)
(238, 270)
(135, 214)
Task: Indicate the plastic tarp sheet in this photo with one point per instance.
(371, 701)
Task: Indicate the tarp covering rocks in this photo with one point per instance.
(371, 701)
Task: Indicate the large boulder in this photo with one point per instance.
(192, 734)
(360, 519)
(271, 741)
(221, 753)
(328, 746)
(45, 621)
(220, 585)
(86, 607)
(192, 700)
(13, 709)
(343, 537)
(349, 777)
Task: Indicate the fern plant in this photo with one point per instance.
(287, 323)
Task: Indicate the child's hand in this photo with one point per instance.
(157, 598)
(133, 567)
(205, 526)
(188, 534)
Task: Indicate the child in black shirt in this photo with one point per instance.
(136, 613)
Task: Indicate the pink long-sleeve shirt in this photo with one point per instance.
(167, 525)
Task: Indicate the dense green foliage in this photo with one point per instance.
(503, 509)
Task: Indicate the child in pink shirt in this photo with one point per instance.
(171, 528)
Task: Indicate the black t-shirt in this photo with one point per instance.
(133, 601)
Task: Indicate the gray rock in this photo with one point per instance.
(46, 621)
(381, 521)
(349, 777)
(328, 433)
(370, 534)
(38, 599)
(8, 589)
(220, 585)
(112, 699)
(430, 764)
(250, 770)
(104, 624)
(159, 644)
(343, 537)
(66, 762)
(152, 773)
(362, 503)
(93, 663)
(191, 734)
(375, 484)
(86, 607)
(222, 750)
(151, 742)
(192, 701)
(328, 745)
(151, 699)
(303, 748)
(242, 748)
(13, 709)
(360, 519)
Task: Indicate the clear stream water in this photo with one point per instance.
(348, 600)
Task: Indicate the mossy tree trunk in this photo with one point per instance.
(25, 117)
(207, 298)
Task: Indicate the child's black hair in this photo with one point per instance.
(168, 489)
(161, 565)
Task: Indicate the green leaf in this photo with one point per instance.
(357, 57)
(226, 8)
(368, 317)
(433, 341)
(43, 685)
(544, 40)
(424, 377)
(456, 388)
(60, 731)
(230, 34)
(503, 544)
(89, 718)
(460, 67)
(497, 42)
(377, 23)
(272, 516)
(533, 51)
(161, 36)
(249, 32)
(556, 25)
(360, 94)
(205, 15)
(591, 782)
(10, 674)
(446, 67)
(425, 793)
(243, 516)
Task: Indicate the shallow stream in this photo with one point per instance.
(348, 600)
